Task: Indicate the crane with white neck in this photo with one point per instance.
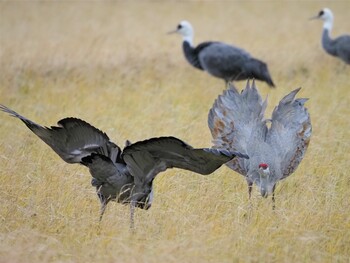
(221, 60)
(337, 47)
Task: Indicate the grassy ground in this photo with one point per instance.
(112, 64)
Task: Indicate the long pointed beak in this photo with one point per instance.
(172, 31)
(314, 17)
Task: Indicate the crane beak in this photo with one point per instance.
(314, 17)
(172, 32)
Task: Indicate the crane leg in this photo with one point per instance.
(250, 204)
(273, 198)
(103, 209)
(104, 201)
(250, 188)
(132, 214)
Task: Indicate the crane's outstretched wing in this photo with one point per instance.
(145, 159)
(236, 123)
(290, 132)
(73, 139)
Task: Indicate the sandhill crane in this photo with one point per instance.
(338, 47)
(123, 176)
(221, 60)
(237, 123)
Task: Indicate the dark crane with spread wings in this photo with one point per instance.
(124, 176)
(237, 123)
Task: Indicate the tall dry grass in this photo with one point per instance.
(111, 64)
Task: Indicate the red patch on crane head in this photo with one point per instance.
(263, 165)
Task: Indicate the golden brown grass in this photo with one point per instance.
(112, 64)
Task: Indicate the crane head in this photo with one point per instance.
(185, 29)
(263, 166)
(142, 194)
(326, 16)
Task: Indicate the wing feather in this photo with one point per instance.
(342, 45)
(145, 159)
(236, 122)
(290, 132)
(222, 60)
(72, 139)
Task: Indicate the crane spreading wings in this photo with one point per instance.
(124, 176)
(237, 123)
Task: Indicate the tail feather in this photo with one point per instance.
(260, 71)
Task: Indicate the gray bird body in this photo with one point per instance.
(222, 60)
(123, 176)
(237, 122)
(338, 47)
(226, 62)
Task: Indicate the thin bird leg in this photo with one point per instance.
(103, 208)
(132, 212)
(104, 201)
(250, 188)
(273, 197)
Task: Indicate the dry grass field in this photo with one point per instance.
(113, 65)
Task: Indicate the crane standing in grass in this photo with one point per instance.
(237, 123)
(221, 60)
(124, 176)
(338, 47)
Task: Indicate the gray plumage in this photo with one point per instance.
(237, 123)
(221, 60)
(124, 176)
(338, 47)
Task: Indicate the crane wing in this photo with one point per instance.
(72, 139)
(236, 123)
(222, 60)
(192, 54)
(145, 159)
(342, 45)
(290, 132)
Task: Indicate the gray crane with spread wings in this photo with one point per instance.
(237, 123)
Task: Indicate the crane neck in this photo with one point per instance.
(188, 39)
(327, 43)
(191, 55)
(328, 24)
